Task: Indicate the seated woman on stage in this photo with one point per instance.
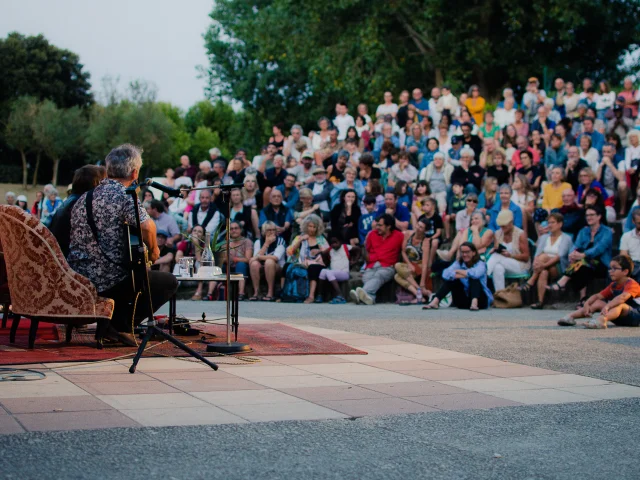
(617, 303)
(510, 254)
(306, 249)
(591, 254)
(466, 280)
(192, 247)
(241, 251)
(268, 259)
(552, 258)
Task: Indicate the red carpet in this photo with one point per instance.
(265, 339)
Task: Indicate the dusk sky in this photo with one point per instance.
(159, 41)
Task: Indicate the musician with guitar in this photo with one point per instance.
(100, 248)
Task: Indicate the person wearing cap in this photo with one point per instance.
(532, 98)
(510, 254)
(321, 189)
(619, 124)
(22, 202)
(165, 261)
(304, 171)
(454, 152)
(505, 203)
(447, 103)
(164, 221)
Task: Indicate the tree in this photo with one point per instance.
(32, 66)
(60, 132)
(19, 133)
(293, 59)
(203, 139)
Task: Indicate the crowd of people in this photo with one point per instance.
(423, 188)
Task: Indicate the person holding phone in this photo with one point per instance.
(510, 253)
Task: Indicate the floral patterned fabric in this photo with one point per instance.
(40, 280)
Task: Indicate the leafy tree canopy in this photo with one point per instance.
(293, 59)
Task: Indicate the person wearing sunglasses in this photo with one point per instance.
(463, 218)
(510, 254)
(618, 303)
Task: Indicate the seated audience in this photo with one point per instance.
(466, 281)
(341, 257)
(489, 195)
(510, 254)
(630, 244)
(367, 219)
(467, 174)
(438, 175)
(402, 170)
(463, 217)
(414, 266)
(277, 213)
(193, 247)
(572, 214)
(477, 233)
(205, 214)
(290, 193)
(321, 189)
(382, 250)
(268, 260)
(350, 183)
(345, 218)
(552, 191)
(241, 253)
(399, 212)
(618, 303)
(164, 221)
(165, 261)
(505, 203)
(244, 215)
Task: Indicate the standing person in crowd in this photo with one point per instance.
(345, 218)
(341, 256)
(475, 104)
(466, 281)
(618, 303)
(414, 268)
(552, 191)
(551, 259)
(590, 257)
(241, 252)
(205, 214)
(343, 120)
(84, 179)
(510, 254)
(306, 249)
(367, 219)
(438, 175)
(245, 216)
(382, 250)
(268, 260)
(50, 204)
(630, 244)
(505, 203)
(399, 212)
(277, 214)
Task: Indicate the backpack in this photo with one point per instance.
(296, 284)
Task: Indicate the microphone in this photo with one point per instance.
(172, 192)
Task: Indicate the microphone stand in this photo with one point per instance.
(145, 291)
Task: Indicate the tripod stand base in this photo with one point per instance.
(229, 348)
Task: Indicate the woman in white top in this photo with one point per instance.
(388, 107)
(320, 137)
(444, 139)
(510, 254)
(551, 260)
(632, 152)
(588, 153)
(604, 100)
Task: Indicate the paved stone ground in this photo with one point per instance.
(588, 439)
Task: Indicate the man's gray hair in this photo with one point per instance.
(506, 187)
(297, 127)
(9, 194)
(467, 150)
(440, 155)
(215, 151)
(123, 160)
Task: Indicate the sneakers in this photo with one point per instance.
(354, 297)
(567, 322)
(338, 301)
(364, 296)
(443, 254)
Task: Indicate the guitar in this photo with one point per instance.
(138, 257)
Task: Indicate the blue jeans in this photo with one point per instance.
(240, 267)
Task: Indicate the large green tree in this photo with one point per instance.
(19, 131)
(30, 65)
(293, 59)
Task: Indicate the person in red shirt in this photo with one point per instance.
(382, 251)
(618, 303)
(523, 144)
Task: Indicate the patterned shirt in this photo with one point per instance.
(112, 207)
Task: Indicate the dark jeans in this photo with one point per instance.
(581, 277)
(460, 298)
(163, 286)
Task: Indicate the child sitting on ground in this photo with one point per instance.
(618, 303)
(341, 257)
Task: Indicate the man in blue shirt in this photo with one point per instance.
(418, 104)
(505, 203)
(399, 212)
(290, 194)
(365, 223)
(597, 139)
(277, 213)
(454, 151)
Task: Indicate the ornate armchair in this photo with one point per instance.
(42, 285)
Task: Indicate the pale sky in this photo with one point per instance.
(159, 41)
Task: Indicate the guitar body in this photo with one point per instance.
(137, 256)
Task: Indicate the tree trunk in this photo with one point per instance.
(439, 79)
(23, 156)
(35, 171)
(56, 164)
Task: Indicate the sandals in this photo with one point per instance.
(268, 299)
(581, 303)
(255, 298)
(567, 322)
(197, 296)
(537, 306)
(430, 307)
(554, 287)
(525, 287)
(242, 297)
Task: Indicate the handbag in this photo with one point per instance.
(508, 297)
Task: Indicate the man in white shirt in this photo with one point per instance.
(447, 102)
(507, 115)
(343, 120)
(303, 171)
(388, 107)
(204, 214)
(294, 141)
(266, 158)
(630, 244)
(433, 106)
